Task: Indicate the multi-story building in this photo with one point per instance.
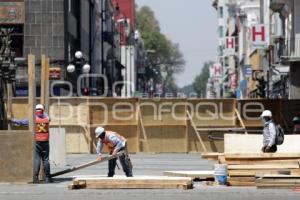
(267, 47)
(59, 28)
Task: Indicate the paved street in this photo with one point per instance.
(144, 164)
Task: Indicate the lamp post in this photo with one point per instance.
(76, 67)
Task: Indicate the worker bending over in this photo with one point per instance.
(115, 143)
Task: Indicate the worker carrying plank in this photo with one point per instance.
(269, 133)
(115, 143)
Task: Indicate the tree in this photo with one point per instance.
(163, 56)
(200, 80)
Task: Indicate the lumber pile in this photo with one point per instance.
(244, 168)
(278, 181)
(138, 182)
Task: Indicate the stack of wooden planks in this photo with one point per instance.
(244, 168)
(278, 181)
(138, 182)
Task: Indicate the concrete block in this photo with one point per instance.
(47, 6)
(58, 18)
(36, 29)
(58, 6)
(47, 18)
(29, 18)
(29, 41)
(47, 41)
(58, 29)
(35, 6)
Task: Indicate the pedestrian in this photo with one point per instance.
(269, 133)
(41, 143)
(296, 128)
(115, 143)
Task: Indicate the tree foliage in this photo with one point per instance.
(163, 56)
(200, 80)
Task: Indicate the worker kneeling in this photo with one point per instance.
(115, 143)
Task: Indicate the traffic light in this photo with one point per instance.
(261, 87)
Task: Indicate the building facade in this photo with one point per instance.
(265, 63)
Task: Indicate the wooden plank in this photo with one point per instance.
(196, 131)
(31, 92)
(252, 143)
(47, 85)
(143, 129)
(192, 174)
(266, 156)
(43, 79)
(259, 162)
(16, 156)
(240, 119)
(242, 179)
(258, 172)
(211, 155)
(137, 182)
(251, 167)
(9, 104)
(241, 183)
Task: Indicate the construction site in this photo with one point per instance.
(175, 145)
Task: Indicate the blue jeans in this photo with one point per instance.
(125, 162)
(41, 154)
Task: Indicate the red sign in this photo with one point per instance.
(258, 35)
(54, 73)
(230, 45)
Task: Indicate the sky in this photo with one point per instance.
(192, 24)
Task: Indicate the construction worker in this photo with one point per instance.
(269, 133)
(296, 128)
(115, 143)
(41, 143)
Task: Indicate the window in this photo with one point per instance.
(221, 13)
(221, 31)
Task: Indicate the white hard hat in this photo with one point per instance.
(39, 107)
(99, 131)
(266, 113)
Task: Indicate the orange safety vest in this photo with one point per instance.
(42, 129)
(109, 143)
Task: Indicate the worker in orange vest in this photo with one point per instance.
(41, 143)
(115, 143)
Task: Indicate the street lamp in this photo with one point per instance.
(77, 66)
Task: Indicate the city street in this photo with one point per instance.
(144, 164)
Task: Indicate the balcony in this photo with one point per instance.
(277, 5)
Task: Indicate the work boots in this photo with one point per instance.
(36, 180)
(48, 180)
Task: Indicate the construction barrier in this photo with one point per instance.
(157, 125)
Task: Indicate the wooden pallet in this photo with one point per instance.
(138, 182)
(200, 175)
